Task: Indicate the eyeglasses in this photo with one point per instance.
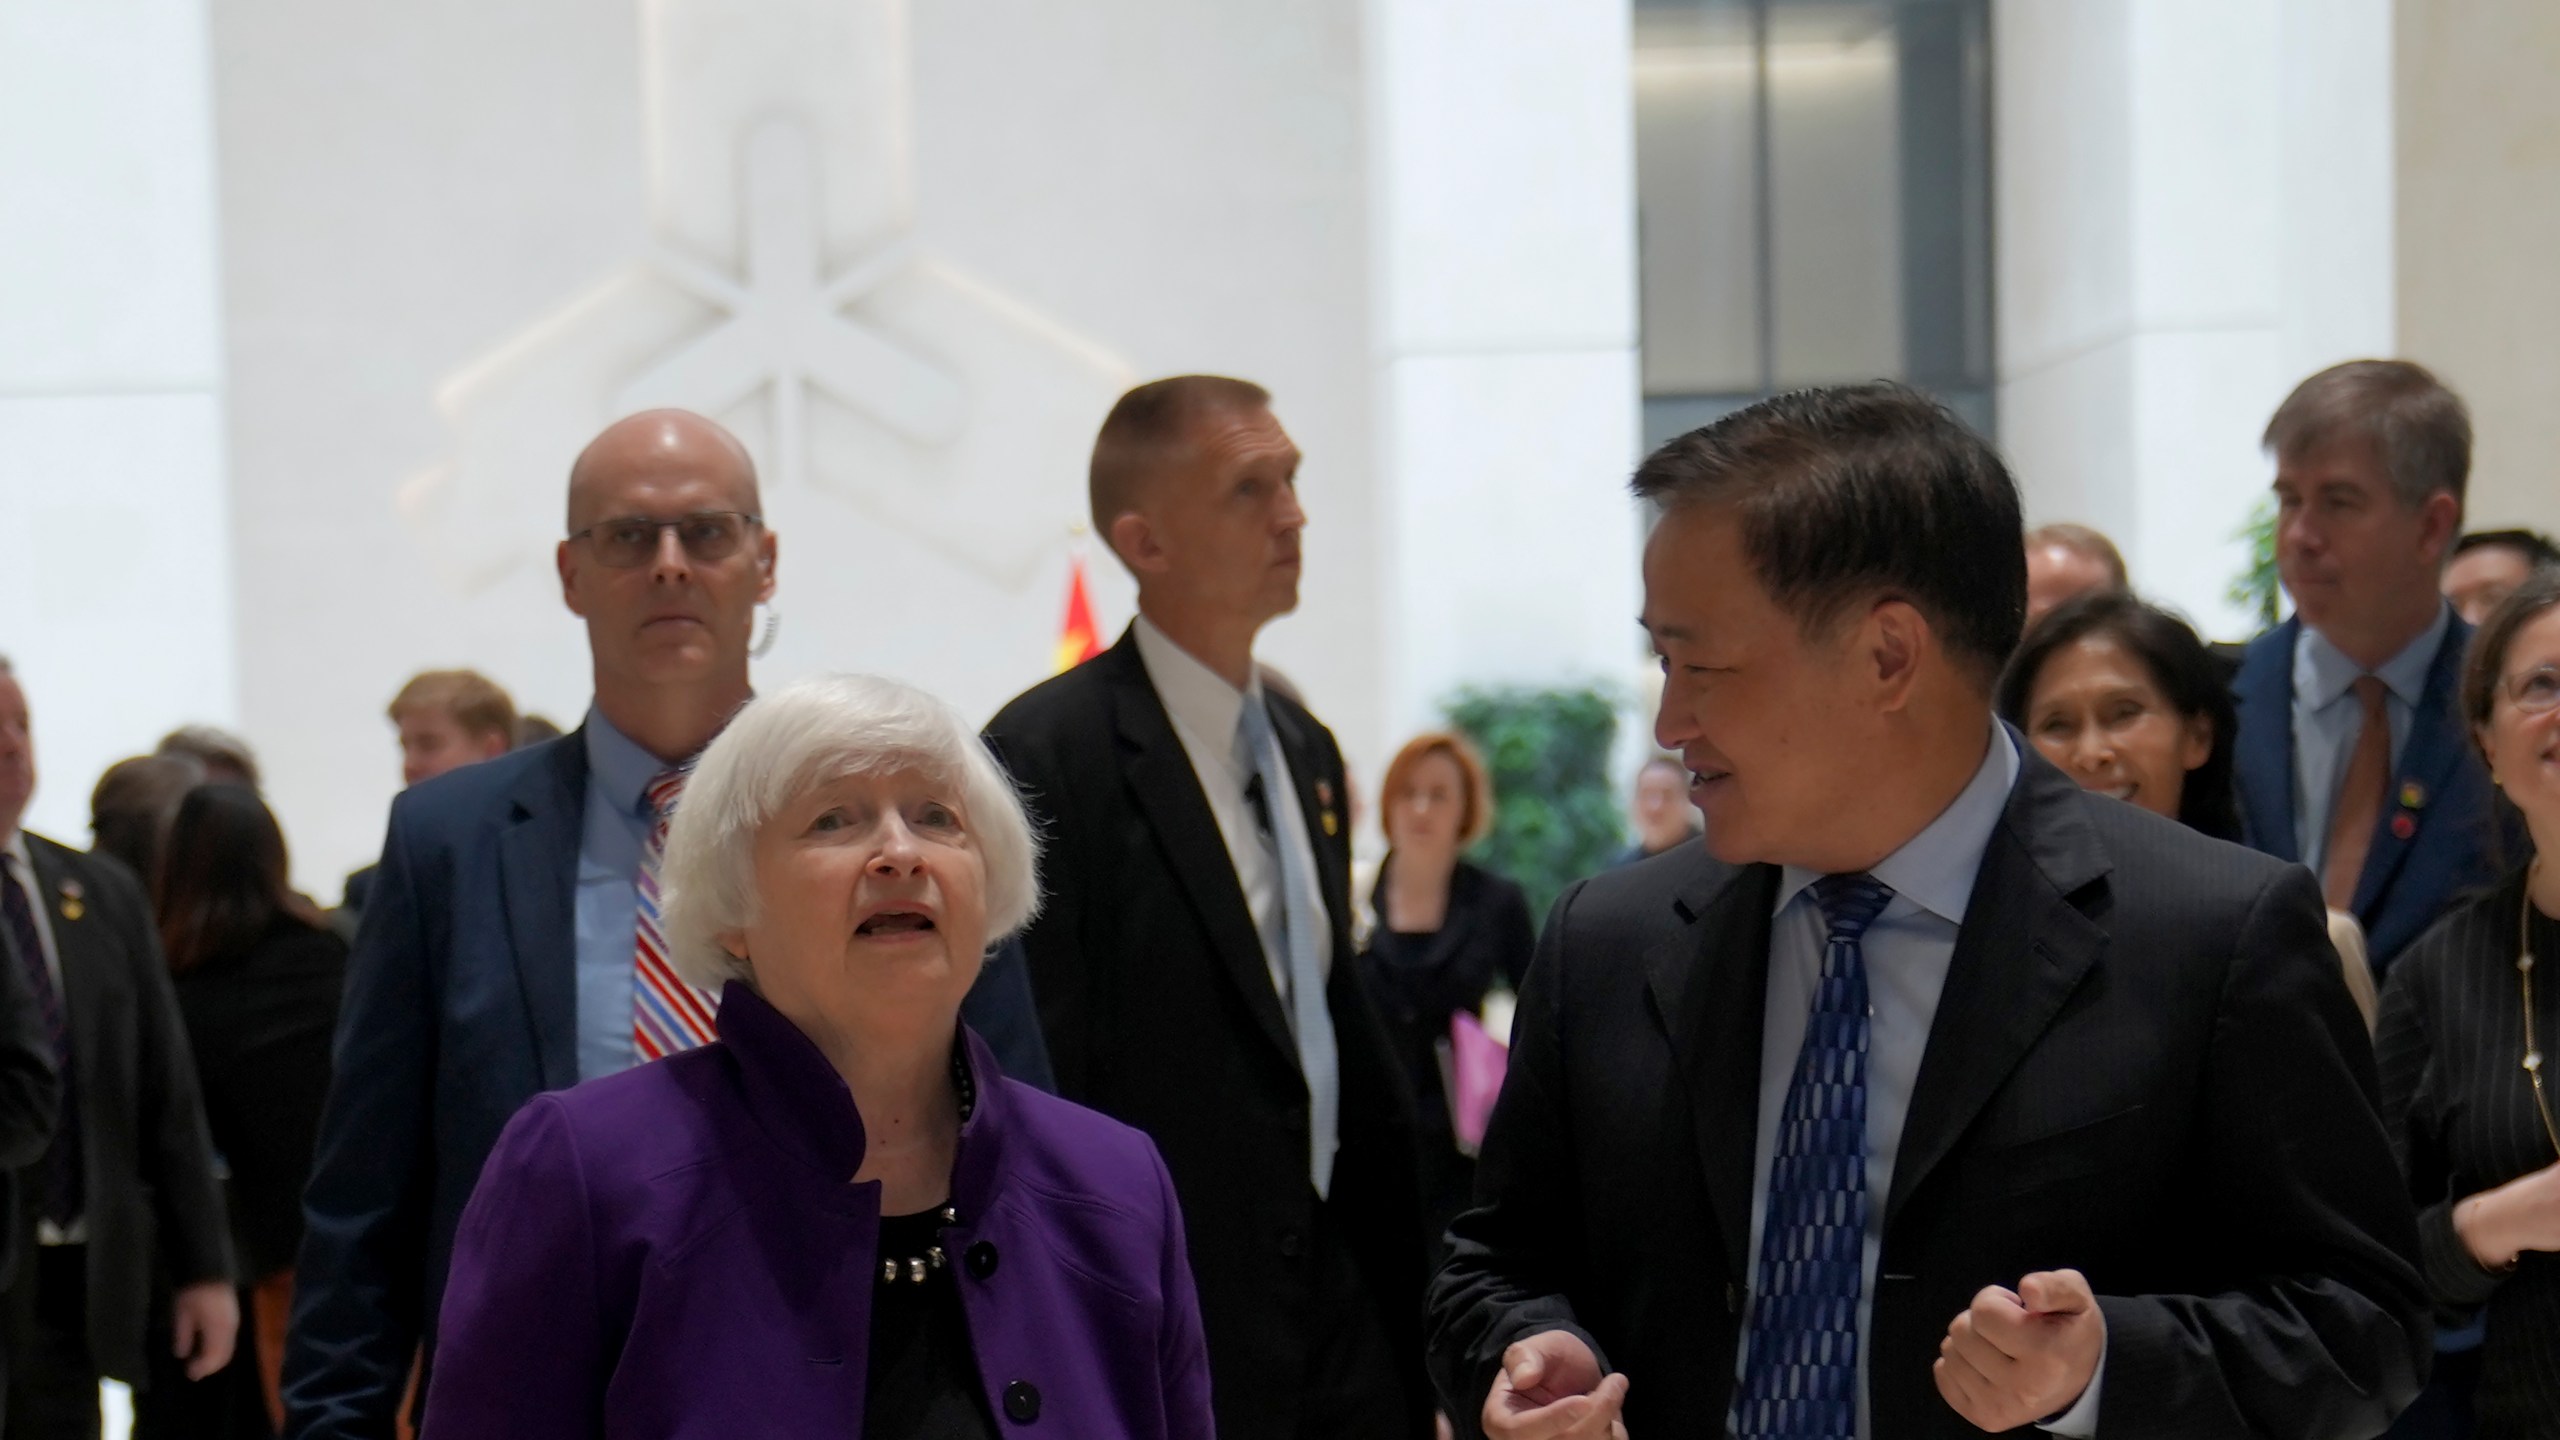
(631, 541)
(2536, 691)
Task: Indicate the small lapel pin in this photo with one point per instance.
(1332, 825)
(2413, 796)
(2403, 826)
(1324, 792)
(74, 901)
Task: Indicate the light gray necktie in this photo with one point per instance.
(1301, 926)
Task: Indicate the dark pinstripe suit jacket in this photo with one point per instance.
(2460, 1107)
(2144, 1066)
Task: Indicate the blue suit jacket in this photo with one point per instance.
(2440, 834)
(461, 1005)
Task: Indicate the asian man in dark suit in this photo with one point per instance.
(131, 1252)
(2351, 757)
(1193, 963)
(1930, 1094)
(507, 947)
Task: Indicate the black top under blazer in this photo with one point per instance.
(2460, 1107)
(261, 1021)
(2144, 1066)
(1160, 1012)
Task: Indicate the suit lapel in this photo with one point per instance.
(1710, 986)
(2262, 752)
(2436, 746)
(92, 973)
(537, 892)
(2023, 949)
(1311, 774)
(1168, 792)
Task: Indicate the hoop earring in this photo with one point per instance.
(772, 632)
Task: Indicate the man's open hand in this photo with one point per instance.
(1551, 1388)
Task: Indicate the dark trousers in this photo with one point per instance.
(53, 1382)
(1352, 1386)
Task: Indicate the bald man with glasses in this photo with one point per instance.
(510, 941)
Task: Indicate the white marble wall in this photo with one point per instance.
(116, 595)
(1501, 141)
(2194, 211)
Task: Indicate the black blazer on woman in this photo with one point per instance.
(2461, 1110)
(260, 1021)
(1418, 981)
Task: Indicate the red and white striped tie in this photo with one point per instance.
(667, 1015)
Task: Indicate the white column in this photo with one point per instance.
(1502, 185)
(2193, 212)
(115, 590)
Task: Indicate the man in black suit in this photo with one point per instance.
(30, 1105)
(1194, 962)
(124, 1205)
(1931, 1092)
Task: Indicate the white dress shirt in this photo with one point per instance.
(1907, 950)
(1205, 710)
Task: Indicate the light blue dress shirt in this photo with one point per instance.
(2327, 719)
(614, 832)
(1907, 952)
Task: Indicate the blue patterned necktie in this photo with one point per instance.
(1301, 922)
(1800, 1380)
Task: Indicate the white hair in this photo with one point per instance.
(804, 735)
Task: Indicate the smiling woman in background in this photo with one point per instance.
(840, 1218)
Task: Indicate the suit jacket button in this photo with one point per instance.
(1022, 1402)
(982, 1263)
(1292, 1244)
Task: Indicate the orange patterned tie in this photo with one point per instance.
(2359, 806)
(667, 1014)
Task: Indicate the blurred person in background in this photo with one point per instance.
(225, 756)
(446, 719)
(258, 974)
(2488, 565)
(130, 1258)
(1448, 934)
(2065, 560)
(2126, 699)
(2462, 1035)
(130, 810)
(2352, 756)
(1659, 808)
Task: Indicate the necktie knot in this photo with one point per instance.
(2371, 692)
(665, 788)
(1850, 903)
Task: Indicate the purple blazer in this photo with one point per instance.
(679, 1251)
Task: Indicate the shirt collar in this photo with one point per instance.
(15, 847)
(1935, 869)
(2322, 672)
(1198, 698)
(617, 765)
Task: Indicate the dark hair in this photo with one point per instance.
(2420, 429)
(1146, 427)
(225, 756)
(130, 810)
(1859, 492)
(2486, 661)
(2534, 546)
(223, 880)
(2190, 679)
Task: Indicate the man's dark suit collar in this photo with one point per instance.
(2024, 947)
(1160, 775)
(537, 889)
(2262, 751)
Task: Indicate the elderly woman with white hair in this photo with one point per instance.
(838, 1220)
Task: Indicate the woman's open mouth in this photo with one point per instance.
(896, 922)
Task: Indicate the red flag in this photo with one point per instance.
(1078, 641)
